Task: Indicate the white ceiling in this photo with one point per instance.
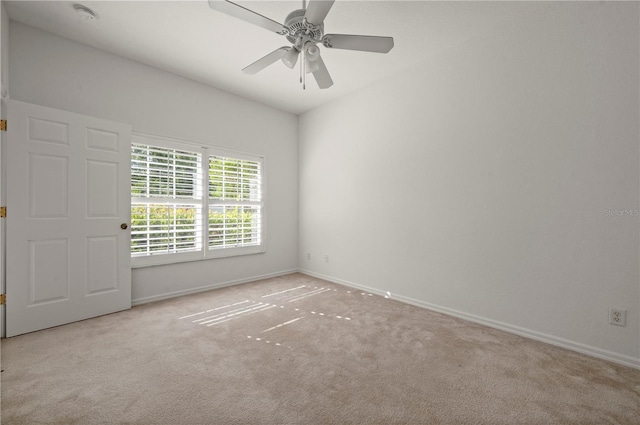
(190, 39)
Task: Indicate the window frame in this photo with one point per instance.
(205, 252)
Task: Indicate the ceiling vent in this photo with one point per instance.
(84, 12)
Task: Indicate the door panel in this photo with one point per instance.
(47, 183)
(102, 189)
(48, 272)
(102, 264)
(68, 192)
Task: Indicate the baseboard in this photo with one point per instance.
(527, 333)
(159, 297)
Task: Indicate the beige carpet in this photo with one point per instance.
(298, 350)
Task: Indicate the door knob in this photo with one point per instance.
(123, 226)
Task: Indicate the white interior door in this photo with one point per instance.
(68, 193)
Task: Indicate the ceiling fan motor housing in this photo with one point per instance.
(299, 28)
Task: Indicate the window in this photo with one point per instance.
(190, 203)
(234, 202)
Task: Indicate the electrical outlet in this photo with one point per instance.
(308, 256)
(617, 316)
(326, 258)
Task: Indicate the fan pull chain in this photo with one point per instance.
(304, 72)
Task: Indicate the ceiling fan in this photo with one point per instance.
(304, 28)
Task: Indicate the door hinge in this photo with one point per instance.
(3, 299)
(3, 212)
(3, 125)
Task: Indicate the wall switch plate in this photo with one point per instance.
(617, 316)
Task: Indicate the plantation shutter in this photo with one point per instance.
(235, 202)
(166, 200)
(192, 203)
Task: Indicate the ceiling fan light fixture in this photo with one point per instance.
(291, 57)
(311, 55)
(312, 51)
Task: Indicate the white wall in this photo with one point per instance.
(52, 71)
(482, 182)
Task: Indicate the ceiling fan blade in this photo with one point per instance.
(264, 62)
(317, 10)
(322, 75)
(240, 12)
(363, 43)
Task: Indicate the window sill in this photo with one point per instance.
(188, 257)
